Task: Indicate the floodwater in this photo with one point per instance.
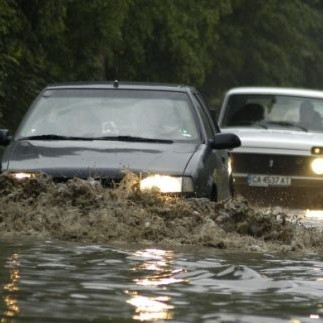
(53, 281)
(76, 252)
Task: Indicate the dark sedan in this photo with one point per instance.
(164, 133)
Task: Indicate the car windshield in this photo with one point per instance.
(274, 111)
(110, 113)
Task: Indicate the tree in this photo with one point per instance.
(264, 43)
(168, 41)
(213, 45)
(21, 62)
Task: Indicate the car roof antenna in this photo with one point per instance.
(116, 84)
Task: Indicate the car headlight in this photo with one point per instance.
(167, 184)
(317, 166)
(23, 175)
(317, 150)
(230, 166)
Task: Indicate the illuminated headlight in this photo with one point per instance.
(167, 184)
(317, 150)
(230, 166)
(22, 175)
(317, 166)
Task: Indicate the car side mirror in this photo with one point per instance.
(225, 141)
(5, 138)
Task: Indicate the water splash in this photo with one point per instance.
(83, 210)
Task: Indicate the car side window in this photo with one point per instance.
(205, 118)
(213, 123)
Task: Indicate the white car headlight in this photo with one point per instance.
(230, 166)
(167, 184)
(23, 175)
(317, 166)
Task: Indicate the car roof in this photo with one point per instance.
(123, 85)
(277, 91)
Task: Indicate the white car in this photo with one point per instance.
(281, 133)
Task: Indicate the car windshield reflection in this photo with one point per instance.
(111, 115)
(274, 111)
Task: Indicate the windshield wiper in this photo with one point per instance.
(54, 137)
(287, 124)
(134, 139)
(116, 138)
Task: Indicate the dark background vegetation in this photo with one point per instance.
(211, 44)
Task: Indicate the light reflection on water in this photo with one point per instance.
(55, 281)
(314, 214)
(148, 308)
(11, 307)
(309, 217)
(158, 263)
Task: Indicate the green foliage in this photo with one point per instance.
(20, 62)
(169, 41)
(266, 43)
(213, 45)
(93, 35)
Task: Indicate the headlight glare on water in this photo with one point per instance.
(167, 184)
(317, 166)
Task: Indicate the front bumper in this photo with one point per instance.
(303, 192)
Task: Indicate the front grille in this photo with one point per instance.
(271, 164)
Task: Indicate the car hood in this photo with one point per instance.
(97, 158)
(276, 141)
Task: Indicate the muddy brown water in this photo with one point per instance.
(77, 252)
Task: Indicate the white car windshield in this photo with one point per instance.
(96, 113)
(274, 111)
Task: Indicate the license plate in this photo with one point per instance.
(268, 180)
